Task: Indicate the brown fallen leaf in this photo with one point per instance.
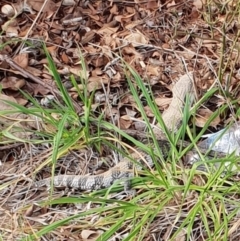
(68, 2)
(37, 89)
(198, 4)
(152, 4)
(107, 30)
(91, 86)
(89, 235)
(152, 70)
(125, 122)
(78, 71)
(131, 51)
(163, 102)
(12, 83)
(136, 38)
(8, 10)
(148, 111)
(65, 58)
(124, 18)
(202, 117)
(21, 60)
(37, 5)
(11, 28)
(181, 236)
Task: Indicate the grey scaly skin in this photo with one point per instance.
(124, 170)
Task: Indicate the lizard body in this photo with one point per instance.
(121, 171)
(125, 168)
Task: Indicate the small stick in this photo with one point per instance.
(36, 79)
(27, 74)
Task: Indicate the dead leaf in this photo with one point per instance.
(114, 9)
(171, 4)
(122, 18)
(52, 50)
(12, 83)
(202, 117)
(152, 70)
(107, 30)
(187, 54)
(136, 39)
(11, 28)
(21, 60)
(148, 111)
(91, 86)
(29, 211)
(152, 4)
(37, 5)
(116, 78)
(68, 2)
(125, 122)
(198, 4)
(131, 51)
(163, 102)
(181, 236)
(139, 125)
(3, 105)
(8, 10)
(38, 89)
(34, 71)
(89, 235)
(78, 71)
(65, 58)
(100, 79)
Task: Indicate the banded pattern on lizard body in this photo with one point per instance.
(122, 171)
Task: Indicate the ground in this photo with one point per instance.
(67, 68)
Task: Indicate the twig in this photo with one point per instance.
(36, 79)
(10, 146)
(27, 74)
